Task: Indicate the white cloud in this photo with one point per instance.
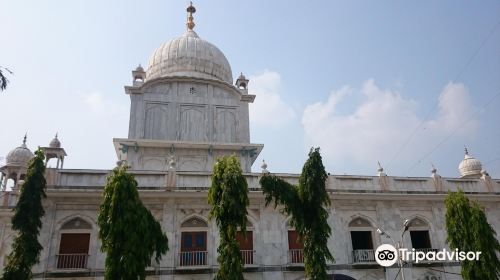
(94, 101)
(100, 105)
(378, 126)
(269, 109)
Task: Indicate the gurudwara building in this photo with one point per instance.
(186, 111)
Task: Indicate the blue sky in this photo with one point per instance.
(356, 78)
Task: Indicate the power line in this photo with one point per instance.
(397, 273)
(454, 131)
(493, 160)
(467, 64)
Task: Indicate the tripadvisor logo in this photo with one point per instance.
(386, 255)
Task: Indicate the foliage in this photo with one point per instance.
(469, 230)
(3, 79)
(27, 221)
(228, 196)
(129, 233)
(306, 204)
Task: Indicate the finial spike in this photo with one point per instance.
(466, 151)
(190, 20)
(25, 136)
(434, 169)
(380, 168)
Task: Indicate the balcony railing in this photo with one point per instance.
(247, 256)
(72, 261)
(296, 256)
(194, 258)
(363, 256)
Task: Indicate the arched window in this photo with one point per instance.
(295, 246)
(74, 244)
(245, 243)
(361, 233)
(193, 242)
(419, 234)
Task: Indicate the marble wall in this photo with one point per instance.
(77, 193)
(190, 111)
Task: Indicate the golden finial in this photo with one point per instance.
(190, 20)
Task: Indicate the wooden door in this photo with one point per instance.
(295, 247)
(193, 248)
(246, 246)
(73, 250)
(294, 242)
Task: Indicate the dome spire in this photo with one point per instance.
(24, 140)
(190, 20)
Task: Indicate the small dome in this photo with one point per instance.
(20, 155)
(242, 77)
(139, 68)
(470, 167)
(55, 143)
(189, 56)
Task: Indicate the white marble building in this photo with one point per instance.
(185, 112)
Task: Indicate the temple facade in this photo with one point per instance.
(186, 111)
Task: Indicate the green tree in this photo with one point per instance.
(469, 230)
(306, 204)
(3, 78)
(228, 196)
(129, 233)
(27, 221)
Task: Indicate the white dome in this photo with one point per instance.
(55, 143)
(20, 155)
(470, 167)
(189, 56)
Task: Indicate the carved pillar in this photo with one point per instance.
(485, 177)
(382, 178)
(436, 179)
(171, 173)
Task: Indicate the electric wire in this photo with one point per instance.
(454, 131)
(493, 160)
(467, 64)
(398, 273)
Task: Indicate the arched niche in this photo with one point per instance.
(76, 223)
(360, 222)
(418, 222)
(194, 222)
(194, 242)
(419, 234)
(362, 241)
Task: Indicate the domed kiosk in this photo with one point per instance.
(55, 150)
(16, 164)
(470, 167)
(185, 109)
